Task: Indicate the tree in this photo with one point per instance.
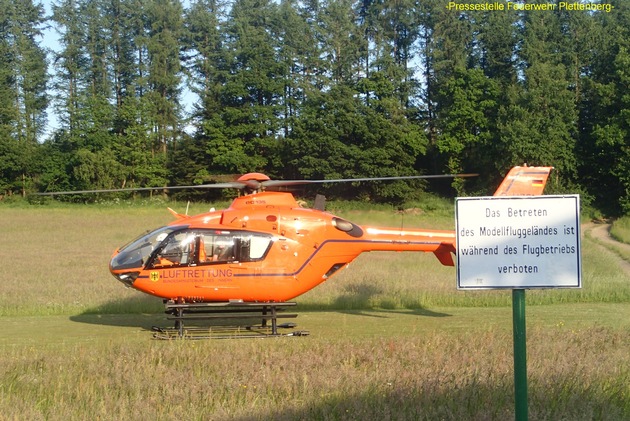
(467, 101)
(165, 25)
(314, 88)
(9, 168)
(538, 127)
(299, 56)
(241, 136)
(463, 100)
(496, 44)
(390, 29)
(445, 39)
(125, 26)
(341, 137)
(205, 58)
(23, 100)
(142, 164)
(538, 122)
(604, 117)
(612, 139)
(342, 43)
(69, 64)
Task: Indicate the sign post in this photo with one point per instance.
(518, 243)
(520, 355)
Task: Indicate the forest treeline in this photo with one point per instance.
(313, 89)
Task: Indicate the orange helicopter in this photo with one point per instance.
(248, 260)
(266, 248)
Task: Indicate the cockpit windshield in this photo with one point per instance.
(137, 253)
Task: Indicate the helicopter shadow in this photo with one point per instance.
(360, 299)
(142, 312)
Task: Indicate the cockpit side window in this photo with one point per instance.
(254, 247)
(233, 246)
(216, 247)
(191, 247)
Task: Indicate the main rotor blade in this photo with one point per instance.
(255, 184)
(234, 185)
(276, 183)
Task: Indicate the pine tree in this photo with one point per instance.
(298, 54)
(69, 65)
(134, 142)
(342, 42)
(241, 137)
(125, 27)
(8, 92)
(100, 113)
(464, 99)
(538, 124)
(205, 58)
(205, 64)
(23, 100)
(165, 25)
(605, 113)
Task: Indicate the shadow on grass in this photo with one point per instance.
(142, 311)
(141, 321)
(361, 299)
(367, 311)
(145, 311)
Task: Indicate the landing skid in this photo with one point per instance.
(188, 315)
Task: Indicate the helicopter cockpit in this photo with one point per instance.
(173, 246)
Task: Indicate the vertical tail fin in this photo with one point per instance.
(524, 181)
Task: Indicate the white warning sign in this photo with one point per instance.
(518, 242)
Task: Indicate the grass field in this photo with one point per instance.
(620, 229)
(391, 337)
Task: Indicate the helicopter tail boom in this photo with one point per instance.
(520, 181)
(440, 243)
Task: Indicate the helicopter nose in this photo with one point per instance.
(128, 261)
(117, 268)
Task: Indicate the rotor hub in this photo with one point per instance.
(254, 176)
